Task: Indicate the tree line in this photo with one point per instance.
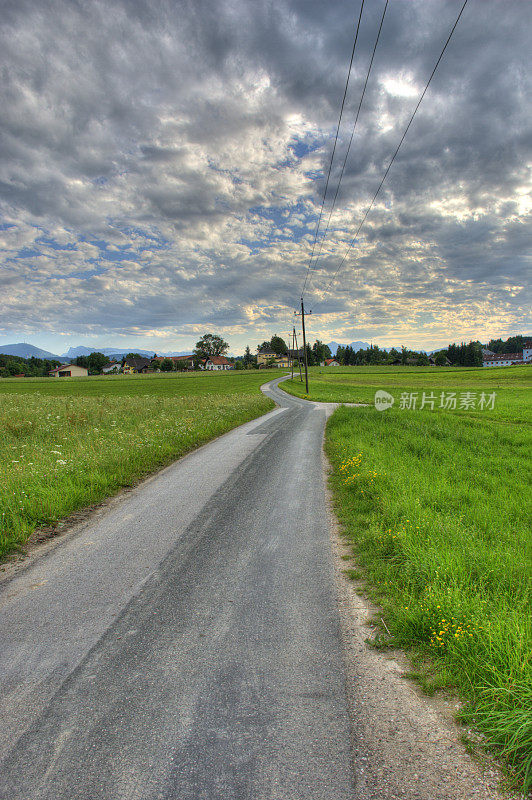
(514, 344)
(29, 367)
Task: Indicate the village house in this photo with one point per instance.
(180, 362)
(330, 362)
(216, 363)
(265, 355)
(68, 371)
(136, 364)
(114, 366)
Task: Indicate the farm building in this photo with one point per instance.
(68, 371)
(502, 360)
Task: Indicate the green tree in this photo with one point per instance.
(440, 359)
(310, 356)
(249, 358)
(278, 345)
(211, 345)
(320, 351)
(512, 345)
(96, 362)
(167, 365)
(423, 360)
(473, 354)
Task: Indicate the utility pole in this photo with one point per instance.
(298, 359)
(292, 349)
(304, 342)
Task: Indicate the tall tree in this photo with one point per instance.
(248, 357)
(96, 362)
(310, 356)
(321, 351)
(211, 345)
(278, 345)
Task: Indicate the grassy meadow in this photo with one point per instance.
(71, 442)
(436, 506)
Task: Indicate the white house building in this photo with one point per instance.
(217, 363)
(114, 366)
(509, 359)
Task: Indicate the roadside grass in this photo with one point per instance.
(359, 384)
(66, 444)
(436, 507)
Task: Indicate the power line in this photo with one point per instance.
(352, 135)
(396, 150)
(334, 146)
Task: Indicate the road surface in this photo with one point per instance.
(185, 643)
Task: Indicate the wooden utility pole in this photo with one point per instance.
(298, 359)
(304, 342)
(292, 349)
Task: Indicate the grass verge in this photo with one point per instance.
(436, 508)
(67, 444)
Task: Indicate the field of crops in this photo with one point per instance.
(69, 443)
(436, 506)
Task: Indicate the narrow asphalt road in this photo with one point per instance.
(185, 644)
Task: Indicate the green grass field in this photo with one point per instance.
(436, 506)
(68, 443)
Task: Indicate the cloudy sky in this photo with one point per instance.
(162, 166)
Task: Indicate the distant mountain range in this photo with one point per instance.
(74, 352)
(117, 353)
(333, 346)
(24, 350)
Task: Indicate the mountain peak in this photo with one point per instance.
(24, 350)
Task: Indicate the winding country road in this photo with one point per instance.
(185, 643)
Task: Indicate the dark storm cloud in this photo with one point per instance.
(149, 179)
